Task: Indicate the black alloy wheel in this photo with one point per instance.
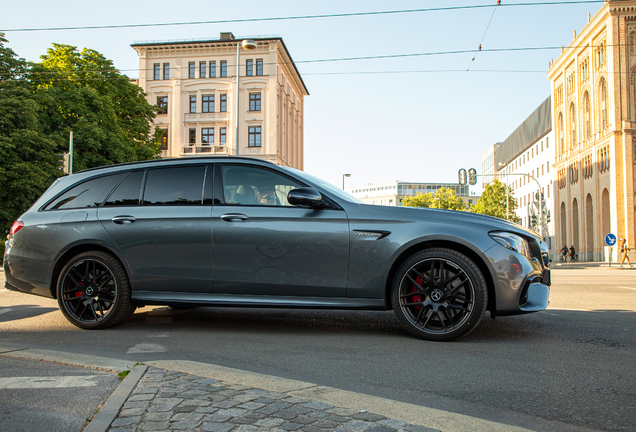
(439, 294)
(93, 291)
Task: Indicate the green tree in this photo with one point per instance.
(109, 116)
(493, 202)
(27, 154)
(444, 198)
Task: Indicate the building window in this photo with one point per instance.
(249, 67)
(573, 126)
(202, 69)
(162, 103)
(212, 69)
(560, 135)
(163, 140)
(157, 71)
(222, 135)
(223, 103)
(259, 67)
(586, 102)
(223, 68)
(255, 101)
(547, 142)
(603, 159)
(208, 104)
(192, 136)
(207, 136)
(166, 71)
(193, 104)
(573, 171)
(603, 101)
(254, 136)
(547, 167)
(191, 67)
(587, 166)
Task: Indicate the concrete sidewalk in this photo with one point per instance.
(590, 266)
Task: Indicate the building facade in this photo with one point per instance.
(525, 162)
(392, 193)
(594, 115)
(194, 84)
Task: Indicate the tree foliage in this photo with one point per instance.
(41, 103)
(444, 198)
(493, 202)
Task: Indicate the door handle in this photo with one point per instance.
(233, 217)
(121, 220)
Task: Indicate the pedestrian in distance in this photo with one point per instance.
(572, 253)
(624, 250)
(564, 253)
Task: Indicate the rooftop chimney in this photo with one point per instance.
(227, 36)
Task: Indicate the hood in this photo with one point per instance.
(447, 216)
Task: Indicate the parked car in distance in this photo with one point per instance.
(243, 232)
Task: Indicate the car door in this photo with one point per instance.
(160, 220)
(265, 246)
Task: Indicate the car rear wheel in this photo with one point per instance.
(439, 294)
(93, 291)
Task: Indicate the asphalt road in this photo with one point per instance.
(573, 363)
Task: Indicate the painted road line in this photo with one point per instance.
(47, 382)
(73, 359)
(627, 288)
(145, 347)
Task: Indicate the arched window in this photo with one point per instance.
(560, 136)
(603, 104)
(572, 126)
(586, 107)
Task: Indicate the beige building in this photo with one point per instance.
(194, 83)
(594, 118)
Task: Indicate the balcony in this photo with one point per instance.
(205, 150)
(201, 117)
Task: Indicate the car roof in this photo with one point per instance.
(198, 159)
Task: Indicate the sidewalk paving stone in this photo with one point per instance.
(170, 400)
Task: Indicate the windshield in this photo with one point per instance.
(335, 193)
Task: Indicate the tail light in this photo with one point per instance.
(17, 226)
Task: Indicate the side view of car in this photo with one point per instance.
(243, 232)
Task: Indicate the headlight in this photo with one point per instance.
(512, 242)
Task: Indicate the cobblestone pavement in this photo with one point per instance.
(169, 400)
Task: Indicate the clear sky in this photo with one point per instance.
(418, 118)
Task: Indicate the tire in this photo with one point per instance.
(439, 294)
(93, 291)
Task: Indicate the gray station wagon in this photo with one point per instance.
(244, 232)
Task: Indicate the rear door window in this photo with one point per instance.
(87, 194)
(128, 192)
(174, 186)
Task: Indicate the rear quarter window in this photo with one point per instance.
(90, 193)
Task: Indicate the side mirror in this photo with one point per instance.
(304, 197)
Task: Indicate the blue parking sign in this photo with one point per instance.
(610, 239)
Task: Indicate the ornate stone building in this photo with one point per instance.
(594, 118)
(194, 83)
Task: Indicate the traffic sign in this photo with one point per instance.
(610, 239)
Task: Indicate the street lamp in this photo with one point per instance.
(439, 200)
(343, 177)
(248, 45)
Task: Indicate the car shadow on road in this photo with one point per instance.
(15, 313)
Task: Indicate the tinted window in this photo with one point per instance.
(90, 193)
(175, 186)
(128, 191)
(255, 186)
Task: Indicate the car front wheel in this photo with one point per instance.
(93, 291)
(439, 294)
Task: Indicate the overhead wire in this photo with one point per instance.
(301, 17)
(484, 36)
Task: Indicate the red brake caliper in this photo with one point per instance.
(417, 298)
(78, 293)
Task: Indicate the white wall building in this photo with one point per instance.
(392, 193)
(529, 154)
